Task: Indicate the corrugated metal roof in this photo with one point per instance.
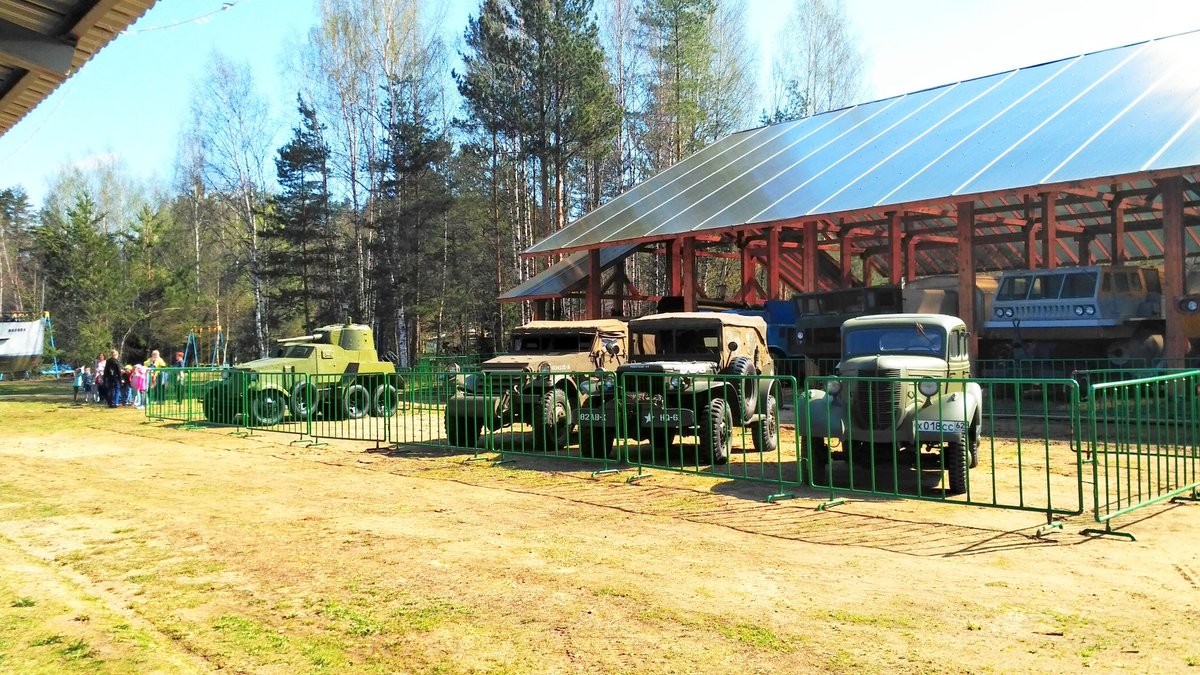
(43, 42)
(565, 274)
(1106, 114)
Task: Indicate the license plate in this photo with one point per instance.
(670, 416)
(942, 426)
(591, 416)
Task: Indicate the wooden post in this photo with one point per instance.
(896, 245)
(749, 268)
(847, 250)
(1031, 244)
(773, 254)
(1173, 247)
(539, 310)
(593, 284)
(688, 264)
(966, 270)
(1049, 222)
(1117, 214)
(620, 281)
(1084, 244)
(810, 256)
(674, 266)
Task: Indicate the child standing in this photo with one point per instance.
(89, 386)
(141, 382)
(77, 384)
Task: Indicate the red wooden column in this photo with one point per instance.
(593, 284)
(847, 253)
(749, 270)
(773, 254)
(895, 248)
(966, 270)
(1117, 215)
(810, 256)
(1173, 248)
(687, 262)
(674, 266)
(1084, 242)
(1050, 224)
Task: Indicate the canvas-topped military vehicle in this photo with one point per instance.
(884, 405)
(672, 386)
(265, 389)
(536, 383)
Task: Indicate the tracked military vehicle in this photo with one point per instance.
(335, 372)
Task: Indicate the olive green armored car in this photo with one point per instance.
(690, 374)
(538, 382)
(301, 375)
(905, 389)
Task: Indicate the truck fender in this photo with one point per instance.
(820, 415)
(957, 408)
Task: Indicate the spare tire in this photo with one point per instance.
(745, 387)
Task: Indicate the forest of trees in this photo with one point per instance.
(413, 176)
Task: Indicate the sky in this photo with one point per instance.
(129, 104)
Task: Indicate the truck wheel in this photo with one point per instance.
(766, 432)
(386, 401)
(462, 432)
(715, 438)
(598, 443)
(356, 402)
(818, 457)
(304, 400)
(553, 430)
(217, 409)
(266, 408)
(746, 387)
(954, 456)
(973, 438)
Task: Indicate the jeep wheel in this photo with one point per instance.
(553, 428)
(598, 443)
(954, 456)
(745, 387)
(818, 458)
(386, 401)
(356, 402)
(766, 432)
(219, 410)
(266, 408)
(715, 438)
(462, 432)
(304, 400)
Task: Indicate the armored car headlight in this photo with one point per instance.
(928, 388)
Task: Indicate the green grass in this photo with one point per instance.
(755, 636)
(24, 601)
(250, 636)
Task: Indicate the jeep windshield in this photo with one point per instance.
(699, 343)
(920, 339)
(552, 342)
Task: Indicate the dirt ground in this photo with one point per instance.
(133, 547)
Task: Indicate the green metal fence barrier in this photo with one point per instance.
(945, 440)
(1143, 443)
(347, 406)
(175, 393)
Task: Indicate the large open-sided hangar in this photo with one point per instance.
(1084, 160)
(43, 42)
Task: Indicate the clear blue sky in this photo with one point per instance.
(131, 101)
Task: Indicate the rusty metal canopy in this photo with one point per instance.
(1116, 113)
(43, 42)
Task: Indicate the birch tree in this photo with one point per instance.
(816, 66)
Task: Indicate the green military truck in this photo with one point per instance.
(537, 383)
(884, 405)
(334, 372)
(673, 386)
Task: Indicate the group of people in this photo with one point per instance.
(129, 385)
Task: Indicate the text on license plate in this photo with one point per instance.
(944, 426)
(587, 416)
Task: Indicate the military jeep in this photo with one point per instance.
(265, 389)
(881, 404)
(673, 385)
(536, 383)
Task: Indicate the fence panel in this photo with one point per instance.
(1143, 442)
(436, 411)
(1001, 443)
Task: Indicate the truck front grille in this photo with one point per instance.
(876, 403)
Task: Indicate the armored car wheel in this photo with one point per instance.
(766, 432)
(356, 401)
(266, 408)
(386, 401)
(217, 409)
(715, 426)
(553, 428)
(304, 400)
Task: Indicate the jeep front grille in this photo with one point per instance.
(875, 403)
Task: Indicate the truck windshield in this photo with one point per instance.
(703, 343)
(922, 339)
(552, 342)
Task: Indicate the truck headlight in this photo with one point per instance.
(833, 387)
(928, 388)
(470, 381)
(1079, 310)
(999, 312)
(1089, 309)
(676, 382)
(1008, 312)
(1189, 305)
(544, 367)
